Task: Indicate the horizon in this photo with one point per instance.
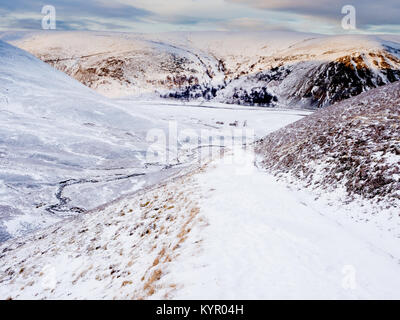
(14, 32)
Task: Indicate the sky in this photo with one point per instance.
(318, 16)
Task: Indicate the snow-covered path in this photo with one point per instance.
(265, 241)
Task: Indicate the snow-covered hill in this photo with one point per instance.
(264, 68)
(350, 150)
(55, 132)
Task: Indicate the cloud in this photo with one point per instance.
(322, 16)
(251, 24)
(77, 7)
(369, 12)
(71, 14)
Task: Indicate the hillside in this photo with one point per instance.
(223, 231)
(352, 146)
(268, 69)
(55, 133)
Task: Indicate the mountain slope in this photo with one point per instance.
(56, 132)
(352, 146)
(276, 68)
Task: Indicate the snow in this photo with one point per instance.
(223, 231)
(265, 241)
(98, 221)
(51, 132)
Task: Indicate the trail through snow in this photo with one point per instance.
(266, 241)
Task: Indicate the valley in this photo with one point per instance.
(199, 166)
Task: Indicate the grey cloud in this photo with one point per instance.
(70, 13)
(68, 7)
(185, 20)
(369, 12)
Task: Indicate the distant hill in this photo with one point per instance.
(260, 68)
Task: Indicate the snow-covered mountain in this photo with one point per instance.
(264, 68)
(350, 150)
